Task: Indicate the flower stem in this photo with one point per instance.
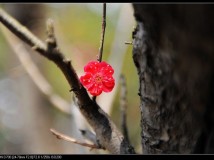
(102, 33)
(102, 38)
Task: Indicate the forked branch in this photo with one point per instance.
(106, 131)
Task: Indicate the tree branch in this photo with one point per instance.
(69, 139)
(106, 131)
(22, 32)
(102, 33)
(102, 38)
(123, 106)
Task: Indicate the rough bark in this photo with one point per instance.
(173, 52)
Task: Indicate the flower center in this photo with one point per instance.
(98, 78)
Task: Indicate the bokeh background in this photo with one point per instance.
(26, 112)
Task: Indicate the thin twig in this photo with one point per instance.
(34, 73)
(123, 107)
(102, 38)
(102, 33)
(129, 43)
(70, 139)
(51, 41)
(117, 53)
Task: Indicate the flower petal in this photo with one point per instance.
(98, 77)
(95, 90)
(86, 80)
(106, 69)
(103, 64)
(92, 67)
(108, 84)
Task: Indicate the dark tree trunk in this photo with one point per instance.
(173, 50)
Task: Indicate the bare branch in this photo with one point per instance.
(70, 139)
(106, 131)
(51, 41)
(130, 43)
(102, 38)
(118, 51)
(123, 107)
(21, 31)
(102, 33)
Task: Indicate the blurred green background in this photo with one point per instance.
(26, 114)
